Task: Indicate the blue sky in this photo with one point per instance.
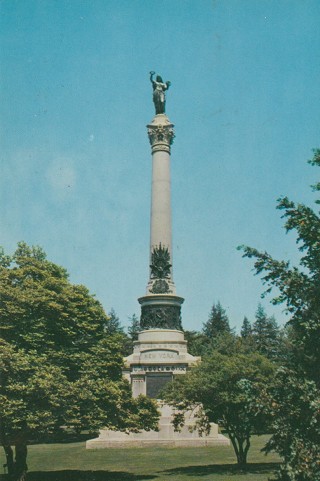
(75, 158)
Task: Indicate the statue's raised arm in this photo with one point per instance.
(159, 88)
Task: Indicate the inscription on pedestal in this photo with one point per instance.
(158, 355)
(163, 345)
(159, 368)
(156, 382)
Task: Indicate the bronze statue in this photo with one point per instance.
(159, 98)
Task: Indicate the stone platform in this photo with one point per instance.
(158, 356)
(166, 436)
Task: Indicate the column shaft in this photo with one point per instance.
(160, 307)
(161, 202)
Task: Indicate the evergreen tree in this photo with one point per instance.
(217, 323)
(265, 333)
(134, 327)
(246, 329)
(113, 324)
(197, 343)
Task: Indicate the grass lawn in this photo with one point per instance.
(72, 462)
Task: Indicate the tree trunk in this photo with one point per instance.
(242, 455)
(241, 447)
(9, 458)
(17, 468)
(20, 465)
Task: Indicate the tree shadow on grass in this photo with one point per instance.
(230, 469)
(75, 475)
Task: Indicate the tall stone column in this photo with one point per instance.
(160, 352)
(161, 307)
(161, 135)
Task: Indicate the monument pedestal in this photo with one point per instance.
(166, 436)
(158, 356)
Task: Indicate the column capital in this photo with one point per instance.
(161, 133)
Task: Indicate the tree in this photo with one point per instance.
(217, 323)
(59, 366)
(113, 324)
(223, 389)
(198, 344)
(265, 334)
(294, 409)
(131, 336)
(296, 401)
(114, 328)
(134, 327)
(246, 328)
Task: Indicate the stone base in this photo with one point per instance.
(158, 355)
(161, 311)
(166, 436)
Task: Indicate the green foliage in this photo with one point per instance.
(297, 288)
(223, 388)
(198, 343)
(114, 328)
(59, 364)
(225, 342)
(217, 323)
(246, 328)
(40, 310)
(293, 405)
(134, 327)
(34, 393)
(131, 335)
(113, 324)
(295, 400)
(265, 333)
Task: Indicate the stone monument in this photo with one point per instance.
(160, 353)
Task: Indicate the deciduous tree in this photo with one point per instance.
(295, 401)
(223, 389)
(59, 366)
